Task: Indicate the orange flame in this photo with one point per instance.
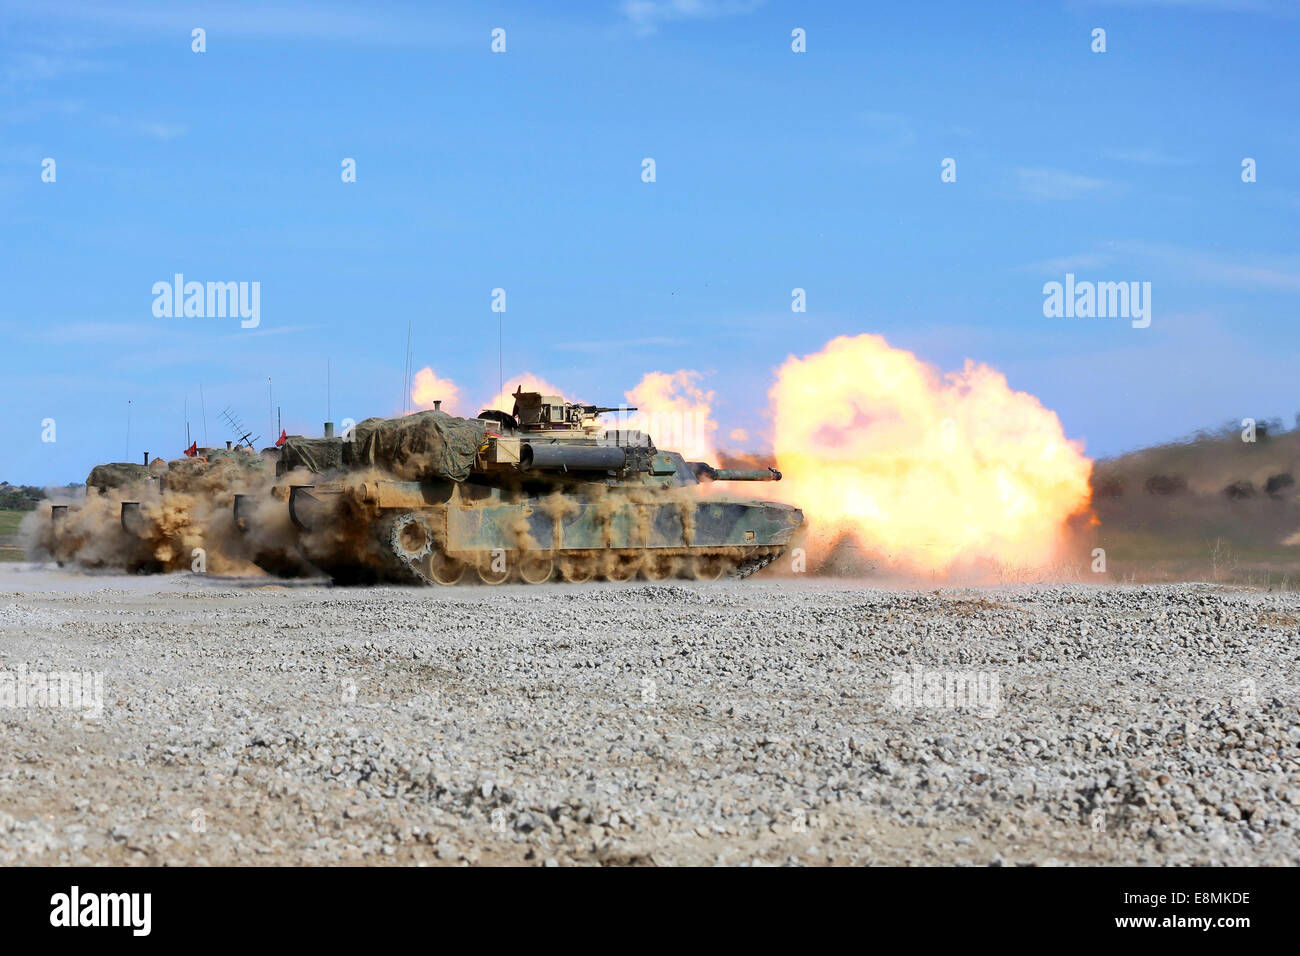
(428, 388)
(676, 413)
(505, 400)
(931, 471)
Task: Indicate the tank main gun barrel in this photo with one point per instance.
(708, 473)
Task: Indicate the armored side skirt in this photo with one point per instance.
(570, 524)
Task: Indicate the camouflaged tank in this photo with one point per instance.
(544, 492)
(149, 539)
(210, 471)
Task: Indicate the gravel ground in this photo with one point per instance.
(766, 721)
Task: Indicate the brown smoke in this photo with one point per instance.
(195, 512)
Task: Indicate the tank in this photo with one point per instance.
(162, 510)
(546, 491)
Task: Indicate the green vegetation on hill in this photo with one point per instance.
(25, 497)
(19, 497)
(9, 521)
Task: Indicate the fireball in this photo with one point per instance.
(429, 388)
(928, 470)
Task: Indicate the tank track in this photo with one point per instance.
(746, 568)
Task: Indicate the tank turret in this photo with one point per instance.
(534, 411)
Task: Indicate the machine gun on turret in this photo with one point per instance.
(580, 412)
(534, 411)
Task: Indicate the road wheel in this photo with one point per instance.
(536, 568)
(444, 569)
(708, 567)
(493, 568)
(656, 567)
(622, 567)
(578, 568)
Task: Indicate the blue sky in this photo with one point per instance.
(522, 170)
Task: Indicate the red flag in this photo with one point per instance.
(192, 451)
(282, 439)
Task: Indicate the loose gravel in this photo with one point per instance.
(769, 721)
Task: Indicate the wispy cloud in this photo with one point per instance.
(1270, 273)
(593, 347)
(29, 109)
(191, 335)
(151, 128)
(97, 333)
(290, 19)
(1055, 184)
(648, 15)
(1071, 263)
(1192, 264)
(199, 345)
(1277, 8)
(28, 67)
(1146, 157)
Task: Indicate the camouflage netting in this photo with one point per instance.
(429, 444)
(116, 474)
(220, 474)
(316, 454)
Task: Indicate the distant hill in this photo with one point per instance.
(19, 497)
(1211, 507)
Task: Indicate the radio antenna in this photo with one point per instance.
(204, 409)
(245, 437)
(406, 386)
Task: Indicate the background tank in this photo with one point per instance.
(544, 491)
(162, 510)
